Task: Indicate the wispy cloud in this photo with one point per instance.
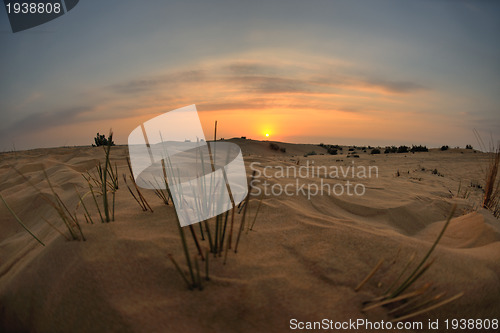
(289, 88)
(46, 119)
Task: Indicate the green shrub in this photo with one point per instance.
(310, 153)
(418, 148)
(402, 149)
(274, 146)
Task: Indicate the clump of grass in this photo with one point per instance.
(161, 191)
(105, 180)
(405, 304)
(19, 221)
(139, 198)
(218, 236)
(86, 214)
(491, 199)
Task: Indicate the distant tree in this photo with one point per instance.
(375, 151)
(418, 148)
(443, 148)
(468, 147)
(402, 149)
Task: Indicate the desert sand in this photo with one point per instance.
(302, 260)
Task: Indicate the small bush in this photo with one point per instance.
(392, 149)
(375, 151)
(418, 148)
(274, 146)
(468, 147)
(332, 151)
(310, 153)
(443, 148)
(402, 149)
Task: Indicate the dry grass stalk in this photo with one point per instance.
(394, 295)
(19, 220)
(257, 212)
(433, 307)
(492, 183)
(399, 298)
(140, 199)
(369, 276)
(69, 219)
(417, 272)
(181, 273)
(242, 225)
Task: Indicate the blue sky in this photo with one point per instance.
(347, 72)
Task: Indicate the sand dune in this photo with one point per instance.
(302, 260)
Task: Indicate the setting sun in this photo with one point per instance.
(267, 134)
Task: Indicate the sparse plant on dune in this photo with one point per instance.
(219, 237)
(491, 187)
(491, 198)
(103, 182)
(138, 196)
(402, 304)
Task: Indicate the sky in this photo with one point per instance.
(337, 72)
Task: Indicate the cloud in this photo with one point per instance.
(154, 83)
(397, 87)
(272, 85)
(42, 120)
(232, 85)
(258, 77)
